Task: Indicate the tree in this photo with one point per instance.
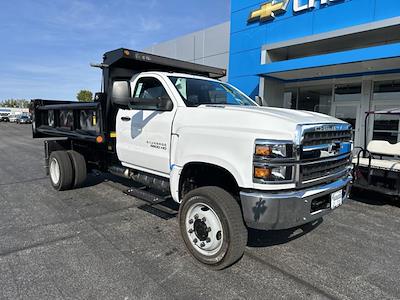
(84, 96)
(17, 103)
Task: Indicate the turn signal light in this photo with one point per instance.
(263, 150)
(262, 172)
(99, 139)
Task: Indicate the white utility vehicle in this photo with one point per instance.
(377, 166)
(4, 114)
(227, 161)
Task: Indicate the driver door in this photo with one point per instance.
(144, 135)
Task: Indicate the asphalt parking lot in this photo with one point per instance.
(98, 243)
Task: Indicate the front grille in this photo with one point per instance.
(324, 168)
(327, 137)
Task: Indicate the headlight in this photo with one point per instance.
(272, 161)
(272, 150)
(273, 173)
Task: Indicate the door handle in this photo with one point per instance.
(126, 119)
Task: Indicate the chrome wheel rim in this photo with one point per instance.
(54, 171)
(204, 229)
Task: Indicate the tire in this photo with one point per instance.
(222, 214)
(60, 170)
(79, 167)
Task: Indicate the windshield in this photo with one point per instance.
(196, 92)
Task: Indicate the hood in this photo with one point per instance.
(288, 115)
(262, 122)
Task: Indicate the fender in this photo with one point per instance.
(176, 171)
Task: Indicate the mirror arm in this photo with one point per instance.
(123, 99)
(259, 100)
(146, 101)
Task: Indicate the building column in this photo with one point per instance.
(365, 106)
(261, 90)
(272, 92)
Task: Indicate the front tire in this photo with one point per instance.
(60, 170)
(212, 227)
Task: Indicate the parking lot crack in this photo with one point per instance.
(23, 181)
(37, 245)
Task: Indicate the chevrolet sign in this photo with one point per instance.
(268, 11)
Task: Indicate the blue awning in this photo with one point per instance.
(379, 59)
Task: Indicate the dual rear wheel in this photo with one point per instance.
(67, 170)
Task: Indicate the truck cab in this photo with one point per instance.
(228, 162)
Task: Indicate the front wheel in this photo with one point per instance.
(212, 227)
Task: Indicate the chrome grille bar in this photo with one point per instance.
(324, 151)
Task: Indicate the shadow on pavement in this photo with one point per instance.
(261, 238)
(373, 198)
(166, 209)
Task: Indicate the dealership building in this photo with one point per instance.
(337, 57)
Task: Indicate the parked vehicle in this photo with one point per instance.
(377, 166)
(12, 118)
(4, 117)
(4, 113)
(174, 128)
(24, 119)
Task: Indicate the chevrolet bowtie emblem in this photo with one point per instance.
(268, 11)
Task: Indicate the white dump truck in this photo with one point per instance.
(178, 131)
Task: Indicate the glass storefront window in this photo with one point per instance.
(290, 98)
(317, 99)
(386, 128)
(387, 90)
(346, 104)
(348, 92)
(386, 97)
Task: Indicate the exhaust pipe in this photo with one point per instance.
(120, 171)
(148, 180)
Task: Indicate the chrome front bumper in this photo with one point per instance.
(283, 210)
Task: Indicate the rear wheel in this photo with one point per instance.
(79, 167)
(60, 169)
(212, 227)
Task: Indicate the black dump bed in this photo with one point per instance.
(95, 122)
(52, 118)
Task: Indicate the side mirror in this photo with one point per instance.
(121, 93)
(258, 100)
(166, 104)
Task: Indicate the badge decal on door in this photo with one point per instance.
(157, 145)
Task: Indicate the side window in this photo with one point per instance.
(150, 88)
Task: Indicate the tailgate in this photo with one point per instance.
(76, 120)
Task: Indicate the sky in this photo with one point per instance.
(46, 46)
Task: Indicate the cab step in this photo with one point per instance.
(159, 210)
(145, 195)
(157, 204)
